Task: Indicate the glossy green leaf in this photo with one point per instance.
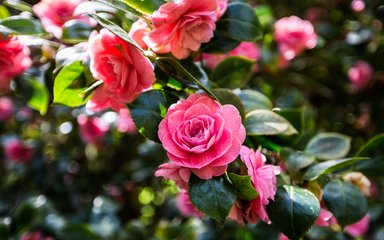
(68, 87)
(329, 166)
(214, 197)
(345, 201)
(329, 145)
(296, 160)
(4, 13)
(374, 149)
(220, 44)
(226, 96)
(149, 109)
(233, 72)
(18, 5)
(265, 122)
(243, 185)
(254, 100)
(120, 5)
(293, 211)
(240, 23)
(76, 31)
(145, 6)
(40, 97)
(24, 26)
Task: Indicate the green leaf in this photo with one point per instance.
(78, 232)
(149, 109)
(243, 185)
(18, 5)
(329, 166)
(254, 100)
(240, 23)
(265, 122)
(233, 72)
(145, 6)
(373, 149)
(213, 197)
(76, 31)
(24, 26)
(296, 160)
(115, 29)
(220, 44)
(25, 215)
(293, 211)
(4, 13)
(226, 96)
(329, 145)
(345, 201)
(67, 88)
(40, 98)
(120, 5)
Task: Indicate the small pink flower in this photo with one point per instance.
(17, 152)
(185, 206)
(180, 27)
(245, 49)
(14, 59)
(124, 70)
(34, 236)
(138, 31)
(92, 129)
(221, 8)
(323, 220)
(6, 109)
(125, 122)
(358, 5)
(201, 134)
(263, 177)
(283, 237)
(293, 35)
(55, 13)
(171, 171)
(359, 228)
(360, 75)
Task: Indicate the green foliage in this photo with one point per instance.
(145, 6)
(293, 211)
(296, 160)
(4, 13)
(254, 100)
(23, 26)
(226, 96)
(244, 187)
(329, 145)
(374, 149)
(76, 31)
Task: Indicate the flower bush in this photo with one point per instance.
(188, 119)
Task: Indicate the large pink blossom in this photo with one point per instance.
(201, 134)
(55, 13)
(184, 205)
(181, 26)
(124, 70)
(360, 75)
(293, 35)
(138, 31)
(92, 129)
(6, 109)
(14, 59)
(16, 151)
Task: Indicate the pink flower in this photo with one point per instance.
(6, 109)
(138, 31)
(180, 27)
(263, 177)
(245, 49)
(185, 206)
(201, 134)
(34, 236)
(125, 122)
(17, 152)
(171, 171)
(359, 228)
(358, 5)
(323, 220)
(221, 8)
(14, 59)
(92, 129)
(124, 70)
(360, 75)
(293, 36)
(55, 13)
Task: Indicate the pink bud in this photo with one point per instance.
(358, 5)
(17, 152)
(92, 129)
(185, 206)
(6, 109)
(125, 122)
(360, 75)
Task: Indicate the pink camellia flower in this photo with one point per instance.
(245, 49)
(55, 13)
(34, 236)
(293, 35)
(171, 171)
(18, 152)
(138, 31)
(358, 5)
(14, 59)
(92, 129)
(323, 220)
(125, 122)
(6, 109)
(360, 75)
(185, 206)
(124, 70)
(201, 134)
(181, 26)
(221, 7)
(359, 228)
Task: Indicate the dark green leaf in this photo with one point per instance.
(296, 160)
(78, 232)
(329, 145)
(345, 201)
(214, 197)
(293, 211)
(233, 72)
(243, 185)
(373, 149)
(265, 122)
(76, 31)
(40, 97)
(226, 96)
(24, 26)
(220, 44)
(25, 215)
(254, 100)
(149, 109)
(4, 231)
(18, 5)
(329, 166)
(64, 91)
(240, 23)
